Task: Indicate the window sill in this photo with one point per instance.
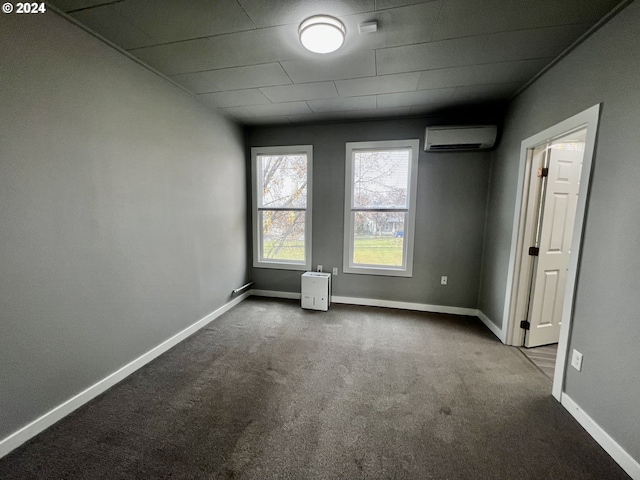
(387, 272)
(282, 266)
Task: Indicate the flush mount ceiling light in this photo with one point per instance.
(322, 34)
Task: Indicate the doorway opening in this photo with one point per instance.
(555, 169)
(553, 197)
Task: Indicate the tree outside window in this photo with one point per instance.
(380, 207)
(282, 212)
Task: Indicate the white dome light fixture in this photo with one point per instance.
(322, 34)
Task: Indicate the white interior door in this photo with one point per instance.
(558, 210)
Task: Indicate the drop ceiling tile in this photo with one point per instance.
(276, 120)
(253, 47)
(343, 104)
(280, 12)
(235, 112)
(517, 39)
(265, 75)
(401, 82)
(316, 117)
(432, 108)
(486, 93)
(183, 57)
(427, 56)
(528, 44)
(409, 99)
(398, 26)
(195, 82)
(460, 18)
(70, 5)
(234, 50)
(235, 98)
(277, 109)
(113, 26)
(482, 74)
(384, 4)
(340, 67)
(379, 113)
(305, 91)
(170, 21)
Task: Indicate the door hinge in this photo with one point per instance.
(534, 251)
(526, 324)
(543, 172)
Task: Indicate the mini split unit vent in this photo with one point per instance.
(462, 137)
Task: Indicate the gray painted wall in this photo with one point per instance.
(452, 190)
(604, 69)
(122, 213)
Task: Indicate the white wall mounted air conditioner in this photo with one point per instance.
(459, 137)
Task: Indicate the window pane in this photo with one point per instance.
(380, 178)
(283, 180)
(282, 235)
(378, 238)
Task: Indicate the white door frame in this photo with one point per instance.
(511, 330)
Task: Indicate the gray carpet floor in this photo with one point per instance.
(269, 391)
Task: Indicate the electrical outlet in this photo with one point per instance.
(335, 270)
(443, 280)
(319, 268)
(576, 360)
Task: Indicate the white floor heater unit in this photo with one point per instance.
(316, 290)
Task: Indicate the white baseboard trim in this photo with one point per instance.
(492, 326)
(372, 302)
(275, 294)
(45, 421)
(619, 454)
(419, 307)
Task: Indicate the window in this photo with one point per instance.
(282, 207)
(380, 199)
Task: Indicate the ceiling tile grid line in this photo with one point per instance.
(377, 76)
(231, 35)
(245, 12)
(393, 51)
(285, 72)
(212, 37)
(89, 7)
(283, 12)
(244, 57)
(307, 91)
(183, 21)
(378, 51)
(488, 36)
(171, 21)
(325, 90)
(404, 4)
(398, 51)
(291, 82)
(229, 68)
(479, 65)
(269, 28)
(417, 84)
(397, 7)
(112, 24)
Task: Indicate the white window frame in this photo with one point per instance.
(409, 230)
(258, 261)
